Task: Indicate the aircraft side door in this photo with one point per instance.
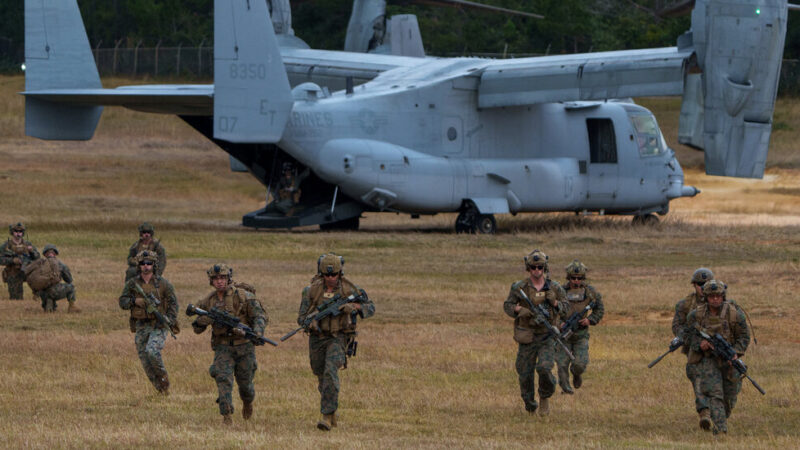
(603, 167)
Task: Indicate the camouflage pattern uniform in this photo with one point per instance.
(329, 339)
(13, 253)
(59, 290)
(286, 195)
(536, 346)
(154, 246)
(682, 310)
(234, 356)
(716, 383)
(150, 335)
(578, 343)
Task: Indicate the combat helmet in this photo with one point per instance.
(19, 226)
(147, 255)
(714, 287)
(701, 276)
(330, 263)
(219, 269)
(576, 269)
(49, 247)
(146, 227)
(535, 258)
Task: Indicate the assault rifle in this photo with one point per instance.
(569, 327)
(329, 308)
(226, 319)
(725, 351)
(151, 304)
(544, 315)
(674, 344)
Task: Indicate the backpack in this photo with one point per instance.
(42, 273)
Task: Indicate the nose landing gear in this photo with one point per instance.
(470, 220)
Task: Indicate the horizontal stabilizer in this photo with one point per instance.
(252, 98)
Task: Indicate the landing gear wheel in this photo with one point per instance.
(485, 224)
(465, 222)
(645, 220)
(350, 224)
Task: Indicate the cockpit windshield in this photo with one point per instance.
(648, 135)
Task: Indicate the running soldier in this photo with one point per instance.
(536, 343)
(146, 242)
(234, 355)
(150, 333)
(580, 295)
(332, 339)
(716, 383)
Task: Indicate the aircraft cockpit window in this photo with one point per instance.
(602, 141)
(648, 136)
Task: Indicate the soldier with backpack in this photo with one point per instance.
(44, 276)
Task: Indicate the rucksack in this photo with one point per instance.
(42, 273)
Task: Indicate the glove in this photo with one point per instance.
(347, 308)
(239, 332)
(524, 313)
(204, 321)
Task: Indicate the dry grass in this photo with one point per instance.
(436, 363)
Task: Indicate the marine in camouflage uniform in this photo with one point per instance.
(286, 195)
(716, 383)
(146, 242)
(684, 307)
(536, 345)
(58, 291)
(579, 295)
(150, 335)
(15, 252)
(330, 338)
(234, 356)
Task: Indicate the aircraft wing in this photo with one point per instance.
(324, 66)
(588, 76)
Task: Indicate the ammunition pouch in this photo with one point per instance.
(5, 274)
(523, 335)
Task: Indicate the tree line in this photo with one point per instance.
(569, 26)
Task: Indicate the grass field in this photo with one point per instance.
(436, 363)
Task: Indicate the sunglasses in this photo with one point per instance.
(536, 267)
(330, 275)
(146, 263)
(576, 278)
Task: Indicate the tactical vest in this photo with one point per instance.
(155, 287)
(545, 296)
(318, 296)
(712, 325)
(234, 302)
(691, 302)
(578, 299)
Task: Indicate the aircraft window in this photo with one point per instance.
(602, 140)
(648, 136)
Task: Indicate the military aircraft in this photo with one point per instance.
(427, 135)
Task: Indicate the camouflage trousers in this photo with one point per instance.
(327, 354)
(56, 292)
(149, 343)
(536, 357)
(716, 387)
(691, 375)
(233, 361)
(579, 346)
(15, 281)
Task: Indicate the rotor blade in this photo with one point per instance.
(474, 5)
(677, 8)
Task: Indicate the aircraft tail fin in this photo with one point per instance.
(739, 48)
(252, 97)
(58, 56)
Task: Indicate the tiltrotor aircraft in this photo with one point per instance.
(427, 135)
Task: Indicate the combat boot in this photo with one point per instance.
(705, 419)
(227, 420)
(247, 410)
(544, 406)
(72, 308)
(324, 423)
(163, 386)
(577, 381)
(49, 305)
(334, 419)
